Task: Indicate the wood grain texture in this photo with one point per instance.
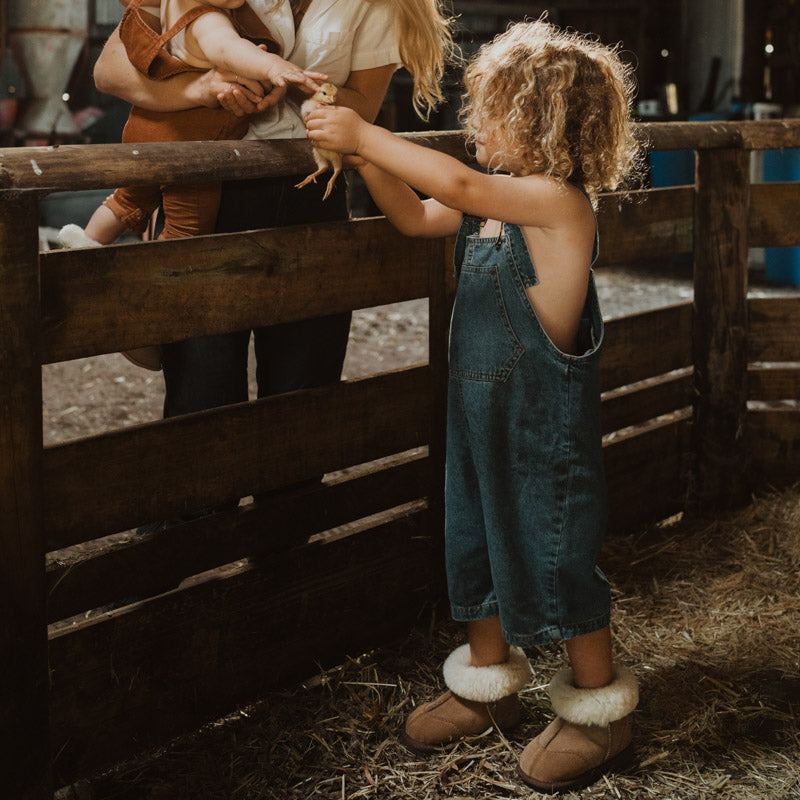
(123, 296)
(774, 330)
(24, 744)
(184, 464)
(719, 332)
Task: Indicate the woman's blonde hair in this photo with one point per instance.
(561, 101)
(425, 35)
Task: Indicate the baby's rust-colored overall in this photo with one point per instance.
(189, 209)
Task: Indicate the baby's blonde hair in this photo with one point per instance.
(425, 35)
(561, 102)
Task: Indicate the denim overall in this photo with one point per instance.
(525, 489)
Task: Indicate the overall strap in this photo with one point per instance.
(469, 227)
(596, 249)
(146, 46)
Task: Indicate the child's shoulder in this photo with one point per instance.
(552, 197)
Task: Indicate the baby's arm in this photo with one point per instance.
(222, 45)
(115, 74)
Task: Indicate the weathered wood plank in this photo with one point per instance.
(74, 167)
(720, 328)
(772, 134)
(112, 482)
(659, 396)
(644, 345)
(643, 488)
(24, 745)
(441, 293)
(647, 225)
(135, 677)
(774, 333)
(773, 383)
(79, 580)
(97, 166)
(760, 135)
(100, 301)
(774, 219)
(772, 439)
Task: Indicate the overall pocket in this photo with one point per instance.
(483, 346)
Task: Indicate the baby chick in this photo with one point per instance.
(324, 96)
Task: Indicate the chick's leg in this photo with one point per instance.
(312, 178)
(322, 166)
(336, 163)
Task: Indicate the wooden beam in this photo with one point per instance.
(118, 567)
(24, 725)
(100, 166)
(646, 472)
(720, 329)
(769, 384)
(646, 225)
(132, 678)
(184, 464)
(773, 437)
(114, 298)
(73, 167)
(647, 400)
(774, 334)
(644, 345)
(774, 215)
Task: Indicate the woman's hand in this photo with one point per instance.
(222, 88)
(336, 128)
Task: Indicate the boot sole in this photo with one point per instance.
(623, 759)
(425, 749)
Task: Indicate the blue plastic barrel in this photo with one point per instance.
(782, 264)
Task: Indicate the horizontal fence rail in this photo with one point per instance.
(112, 642)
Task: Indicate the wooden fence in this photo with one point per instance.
(305, 576)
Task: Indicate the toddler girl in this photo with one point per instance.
(525, 492)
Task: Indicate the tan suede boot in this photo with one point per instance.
(591, 735)
(479, 698)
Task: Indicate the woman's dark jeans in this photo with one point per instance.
(210, 371)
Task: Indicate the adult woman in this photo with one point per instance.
(358, 44)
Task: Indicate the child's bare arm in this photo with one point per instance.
(405, 209)
(222, 45)
(534, 200)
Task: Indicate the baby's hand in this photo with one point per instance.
(281, 73)
(335, 128)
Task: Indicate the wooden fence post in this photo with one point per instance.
(24, 719)
(722, 195)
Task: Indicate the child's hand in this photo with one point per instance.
(282, 73)
(335, 128)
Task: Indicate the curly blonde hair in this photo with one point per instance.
(425, 35)
(561, 101)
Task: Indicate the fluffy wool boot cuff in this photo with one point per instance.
(485, 684)
(594, 706)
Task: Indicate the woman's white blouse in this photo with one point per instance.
(335, 37)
